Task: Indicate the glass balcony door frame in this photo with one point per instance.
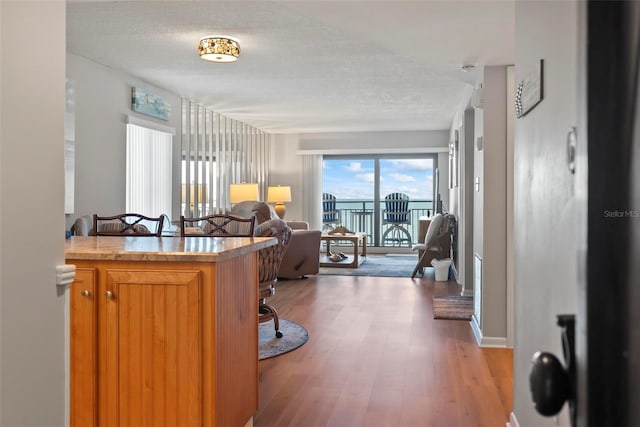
(377, 211)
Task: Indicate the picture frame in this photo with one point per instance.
(530, 91)
(149, 104)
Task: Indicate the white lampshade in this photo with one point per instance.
(241, 192)
(279, 194)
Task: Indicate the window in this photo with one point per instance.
(149, 160)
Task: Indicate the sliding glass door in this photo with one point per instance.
(361, 184)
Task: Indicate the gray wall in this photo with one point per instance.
(103, 101)
(545, 216)
(32, 320)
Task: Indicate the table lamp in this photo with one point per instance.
(241, 192)
(279, 195)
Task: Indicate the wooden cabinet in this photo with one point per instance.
(83, 352)
(164, 343)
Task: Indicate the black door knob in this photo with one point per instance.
(549, 383)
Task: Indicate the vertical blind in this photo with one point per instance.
(218, 151)
(149, 161)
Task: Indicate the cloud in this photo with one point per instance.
(413, 164)
(366, 177)
(355, 167)
(400, 177)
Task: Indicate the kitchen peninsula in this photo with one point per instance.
(164, 331)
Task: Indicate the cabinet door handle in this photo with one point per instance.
(108, 294)
(85, 293)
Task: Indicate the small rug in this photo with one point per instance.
(294, 336)
(378, 265)
(452, 307)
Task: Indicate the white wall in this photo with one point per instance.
(384, 143)
(545, 216)
(374, 140)
(286, 169)
(103, 101)
(32, 338)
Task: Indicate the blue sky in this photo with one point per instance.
(354, 179)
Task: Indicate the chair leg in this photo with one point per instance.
(396, 231)
(419, 265)
(268, 312)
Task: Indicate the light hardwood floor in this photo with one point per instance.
(376, 357)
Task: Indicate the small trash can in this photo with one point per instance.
(441, 266)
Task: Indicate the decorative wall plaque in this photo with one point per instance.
(529, 91)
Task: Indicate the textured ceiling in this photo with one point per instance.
(306, 66)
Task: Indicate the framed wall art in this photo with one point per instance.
(149, 104)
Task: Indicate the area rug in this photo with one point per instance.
(378, 265)
(453, 307)
(293, 337)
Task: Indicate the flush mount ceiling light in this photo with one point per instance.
(218, 49)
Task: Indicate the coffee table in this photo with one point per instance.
(359, 241)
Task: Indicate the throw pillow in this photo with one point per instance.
(269, 228)
(262, 212)
(117, 226)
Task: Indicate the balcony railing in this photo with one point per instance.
(361, 215)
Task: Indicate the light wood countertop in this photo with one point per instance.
(189, 249)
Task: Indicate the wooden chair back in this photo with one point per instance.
(217, 225)
(396, 208)
(329, 210)
(127, 224)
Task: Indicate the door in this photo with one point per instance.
(608, 335)
(151, 339)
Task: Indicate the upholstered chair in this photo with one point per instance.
(303, 254)
(82, 226)
(437, 242)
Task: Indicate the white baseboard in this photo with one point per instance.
(482, 341)
(475, 328)
(494, 342)
(467, 292)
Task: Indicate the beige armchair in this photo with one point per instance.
(303, 254)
